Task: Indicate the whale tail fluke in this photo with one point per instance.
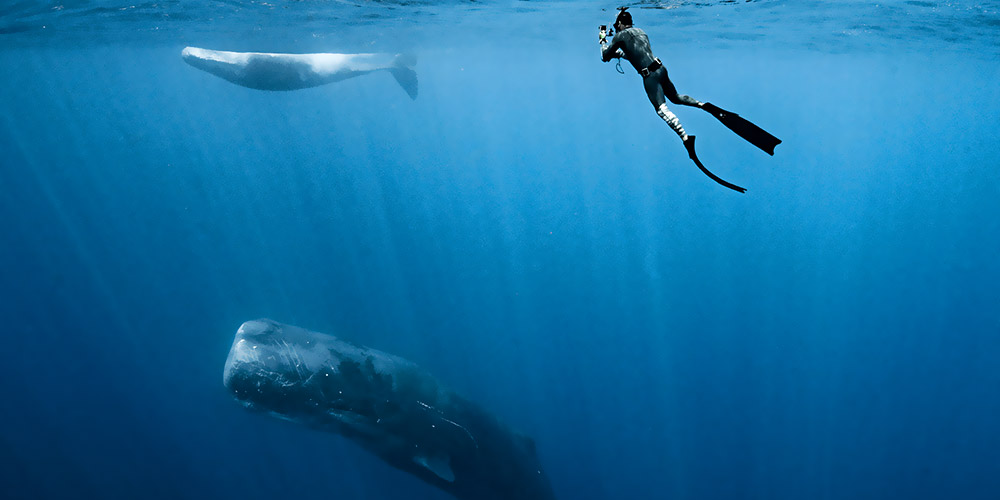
(402, 71)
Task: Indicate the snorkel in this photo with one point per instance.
(623, 18)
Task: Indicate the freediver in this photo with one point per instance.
(632, 44)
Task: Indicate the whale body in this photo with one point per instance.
(386, 404)
(265, 71)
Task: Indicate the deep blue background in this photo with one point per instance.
(529, 231)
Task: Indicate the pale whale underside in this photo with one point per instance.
(266, 71)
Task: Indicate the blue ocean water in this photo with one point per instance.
(527, 229)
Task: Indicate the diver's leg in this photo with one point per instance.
(671, 93)
(655, 93)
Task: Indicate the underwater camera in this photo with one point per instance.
(604, 33)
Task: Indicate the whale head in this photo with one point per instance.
(317, 379)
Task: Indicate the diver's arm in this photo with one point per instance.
(613, 50)
(611, 54)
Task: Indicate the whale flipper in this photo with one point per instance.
(439, 465)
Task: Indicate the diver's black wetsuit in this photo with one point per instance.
(633, 44)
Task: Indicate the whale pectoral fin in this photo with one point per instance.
(440, 465)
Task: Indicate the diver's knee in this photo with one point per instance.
(689, 101)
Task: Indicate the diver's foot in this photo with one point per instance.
(689, 145)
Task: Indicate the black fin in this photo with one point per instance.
(689, 144)
(744, 128)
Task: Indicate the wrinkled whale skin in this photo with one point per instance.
(386, 404)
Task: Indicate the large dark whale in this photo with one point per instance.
(386, 404)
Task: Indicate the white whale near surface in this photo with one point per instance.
(265, 71)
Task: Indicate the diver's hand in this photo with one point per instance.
(607, 54)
